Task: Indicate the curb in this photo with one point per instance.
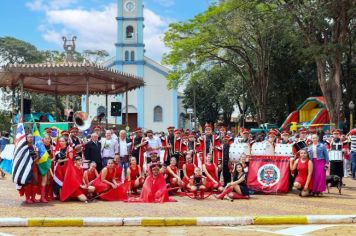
(176, 221)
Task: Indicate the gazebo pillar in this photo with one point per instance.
(21, 91)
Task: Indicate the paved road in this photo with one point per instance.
(319, 230)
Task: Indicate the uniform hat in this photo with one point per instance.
(227, 137)
(245, 131)
(65, 132)
(138, 130)
(272, 132)
(97, 127)
(336, 131)
(73, 129)
(177, 131)
(302, 130)
(208, 126)
(285, 132)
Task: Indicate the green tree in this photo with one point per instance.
(13, 51)
(326, 26)
(238, 33)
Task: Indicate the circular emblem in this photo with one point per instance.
(130, 6)
(268, 175)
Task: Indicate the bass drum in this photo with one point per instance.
(264, 148)
(237, 149)
(284, 149)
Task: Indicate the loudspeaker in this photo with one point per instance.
(116, 109)
(27, 106)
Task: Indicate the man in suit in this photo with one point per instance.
(93, 151)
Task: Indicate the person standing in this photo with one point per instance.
(109, 148)
(154, 145)
(335, 146)
(352, 136)
(93, 151)
(138, 147)
(124, 150)
(320, 157)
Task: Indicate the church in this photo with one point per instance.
(153, 106)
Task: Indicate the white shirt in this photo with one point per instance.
(154, 143)
(315, 155)
(123, 148)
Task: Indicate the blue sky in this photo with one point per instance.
(43, 22)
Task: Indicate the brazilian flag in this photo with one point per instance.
(44, 162)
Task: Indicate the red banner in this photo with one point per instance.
(268, 174)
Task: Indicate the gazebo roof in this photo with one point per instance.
(68, 78)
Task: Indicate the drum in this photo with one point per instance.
(237, 149)
(264, 148)
(335, 155)
(284, 149)
(300, 145)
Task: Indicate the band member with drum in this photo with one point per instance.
(335, 147)
(208, 144)
(138, 147)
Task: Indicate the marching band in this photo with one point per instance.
(114, 169)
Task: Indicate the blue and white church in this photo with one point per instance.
(153, 106)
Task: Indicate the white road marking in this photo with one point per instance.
(301, 229)
(4, 234)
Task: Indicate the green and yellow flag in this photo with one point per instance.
(44, 163)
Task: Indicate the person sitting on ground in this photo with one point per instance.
(197, 183)
(237, 188)
(134, 175)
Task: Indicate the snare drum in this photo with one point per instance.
(284, 149)
(335, 155)
(237, 149)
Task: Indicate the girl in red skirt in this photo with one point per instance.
(304, 166)
(134, 175)
(173, 176)
(90, 174)
(188, 169)
(211, 172)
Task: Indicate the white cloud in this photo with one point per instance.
(97, 28)
(165, 3)
(41, 5)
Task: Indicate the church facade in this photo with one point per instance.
(153, 106)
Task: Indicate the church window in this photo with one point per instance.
(126, 55)
(132, 56)
(129, 32)
(157, 114)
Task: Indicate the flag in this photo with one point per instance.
(22, 162)
(268, 174)
(44, 162)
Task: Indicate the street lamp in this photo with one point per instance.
(351, 107)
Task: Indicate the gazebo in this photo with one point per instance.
(70, 78)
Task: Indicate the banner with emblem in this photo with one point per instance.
(268, 174)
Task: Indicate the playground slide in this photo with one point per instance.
(293, 117)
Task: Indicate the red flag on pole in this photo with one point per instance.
(268, 174)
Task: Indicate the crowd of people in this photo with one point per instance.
(150, 167)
